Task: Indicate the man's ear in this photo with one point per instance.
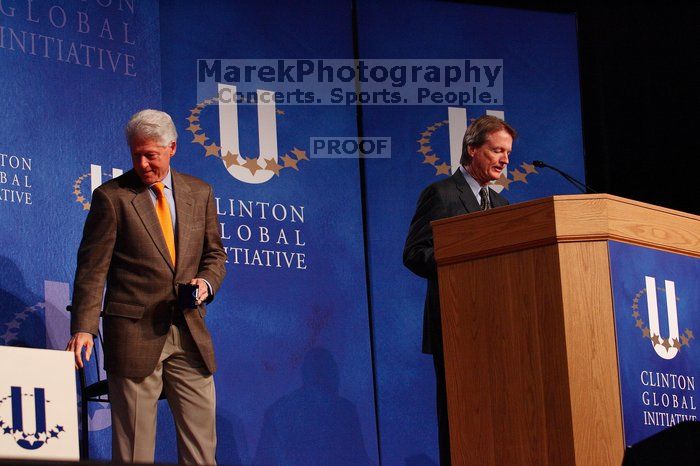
(470, 151)
(173, 148)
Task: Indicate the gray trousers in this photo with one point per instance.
(189, 389)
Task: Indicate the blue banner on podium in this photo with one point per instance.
(656, 297)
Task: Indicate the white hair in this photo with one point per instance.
(151, 124)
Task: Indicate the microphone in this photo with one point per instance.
(583, 187)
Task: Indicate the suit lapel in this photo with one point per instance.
(496, 199)
(143, 204)
(184, 206)
(465, 192)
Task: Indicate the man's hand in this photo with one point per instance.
(76, 344)
(203, 289)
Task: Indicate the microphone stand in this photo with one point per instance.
(583, 187)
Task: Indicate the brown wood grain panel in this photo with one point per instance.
(592, 217)
(528, 325)
(592, 362)
(495, 231)
(507, 375)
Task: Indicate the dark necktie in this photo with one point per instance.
(485, 201)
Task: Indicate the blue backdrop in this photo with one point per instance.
(309, 372)
(541, 100)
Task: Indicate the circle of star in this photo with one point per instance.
(290, 159)
(683, 339)
(519, 175)
(12, 327)
(80, 198)
(6, 428)
(77, 192)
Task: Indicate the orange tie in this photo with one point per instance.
(166, 222)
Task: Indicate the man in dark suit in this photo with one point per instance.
(148, 231)
(486, 146)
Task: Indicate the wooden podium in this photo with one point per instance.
(528, 326)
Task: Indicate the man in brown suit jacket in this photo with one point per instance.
(150, 344)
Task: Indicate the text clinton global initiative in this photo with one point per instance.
(262, 233)
(665, 391)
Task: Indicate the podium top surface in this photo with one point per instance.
(562, 219)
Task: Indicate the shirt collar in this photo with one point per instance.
(167, 181)
(473, 184)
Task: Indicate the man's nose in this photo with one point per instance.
(504, 159)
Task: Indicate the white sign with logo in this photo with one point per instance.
(38, 404)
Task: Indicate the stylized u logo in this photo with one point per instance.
(267, 134)
(666, 348)
(39, 416)
(96, 175)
